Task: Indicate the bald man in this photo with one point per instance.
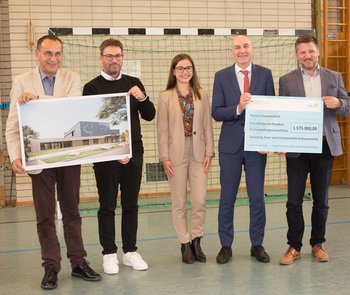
(233, 87)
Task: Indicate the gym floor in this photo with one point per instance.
(21, 271)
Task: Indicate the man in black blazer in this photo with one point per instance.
(312, 80)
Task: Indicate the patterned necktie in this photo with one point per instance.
(246, 80)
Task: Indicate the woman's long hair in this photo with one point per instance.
(194, 82)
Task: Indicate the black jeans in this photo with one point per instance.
(109, 176)
(320, 167)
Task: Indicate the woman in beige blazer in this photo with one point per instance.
(185, 145)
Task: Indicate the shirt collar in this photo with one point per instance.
(43, 75)
(238, 69)
(109, 77)
(179, 94)
(317, 72)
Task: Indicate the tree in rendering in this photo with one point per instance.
(114, 108)
(28, 135)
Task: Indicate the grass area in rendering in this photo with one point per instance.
(74, 157)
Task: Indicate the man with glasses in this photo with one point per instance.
(125, 173)
(43, 82)
(233, 87)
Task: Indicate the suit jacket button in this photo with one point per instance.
(194, 132)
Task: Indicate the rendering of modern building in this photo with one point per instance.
(81, 134)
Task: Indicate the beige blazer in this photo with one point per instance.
(67, 83)
(170, 129)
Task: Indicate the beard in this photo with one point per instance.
(309, 64)
(113, 70)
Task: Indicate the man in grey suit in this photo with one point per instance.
(312, 80)
(46, 81)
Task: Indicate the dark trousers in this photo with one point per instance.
(67, 180)
(109, 176)
(230, 176)
(320, 167)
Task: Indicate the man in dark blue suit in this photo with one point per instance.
(233, 87)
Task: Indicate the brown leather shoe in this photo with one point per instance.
(319, 253)
(289, 257)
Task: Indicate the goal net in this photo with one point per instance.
(149, 57)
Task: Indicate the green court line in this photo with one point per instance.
(210, 202)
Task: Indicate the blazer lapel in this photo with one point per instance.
(300, 83)
(57, 89)
(37, 83)
(324, 81)
(253, 79)
(233, 81)
(175, 106)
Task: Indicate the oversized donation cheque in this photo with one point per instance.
(284, 124)
(69, 131)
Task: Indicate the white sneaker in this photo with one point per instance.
(110, 264)
(134, 260)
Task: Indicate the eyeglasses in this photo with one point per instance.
(110, 57)
(50, 54)
(182, 69)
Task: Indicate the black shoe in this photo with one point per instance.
(84, 271)
(259, 253)
(49, 280)
(224, 255)
(187, 254)
(197, 250)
